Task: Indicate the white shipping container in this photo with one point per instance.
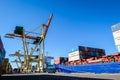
(74, 56)
(118, 48)
(116, 36)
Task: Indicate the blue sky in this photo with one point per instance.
(75, 22)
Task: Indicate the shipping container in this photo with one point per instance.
(72, 56)
(2, 55)
(118, 47)
(60, 60)
(116, 27)
(57, 61)
(85, 53)
(116, 35)
(91, 52)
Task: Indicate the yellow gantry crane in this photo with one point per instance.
(16, 61)
(17, 53)
(38, 47)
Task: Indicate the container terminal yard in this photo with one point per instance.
(34, 63)
(84, 63)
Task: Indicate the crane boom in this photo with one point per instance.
(21, 36)
(48, 24)
(42, 36)
(31, 37)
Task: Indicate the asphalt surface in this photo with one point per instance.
(61, 76)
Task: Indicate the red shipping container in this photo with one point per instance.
(60, 60)
(57, 61)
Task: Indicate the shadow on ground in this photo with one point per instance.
(47, 77)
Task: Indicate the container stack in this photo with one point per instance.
(72, 56)
(2, 55)
(60, 60)
(85, 53)
(88, 52)
(2, 52)
(116, 35)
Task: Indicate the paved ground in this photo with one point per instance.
(61, 76)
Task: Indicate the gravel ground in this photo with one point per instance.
(61, 76)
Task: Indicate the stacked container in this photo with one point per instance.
(60, 60)
(85, 53)
(74, 56)
(116, 35)
(2, 55)
(88, 52)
